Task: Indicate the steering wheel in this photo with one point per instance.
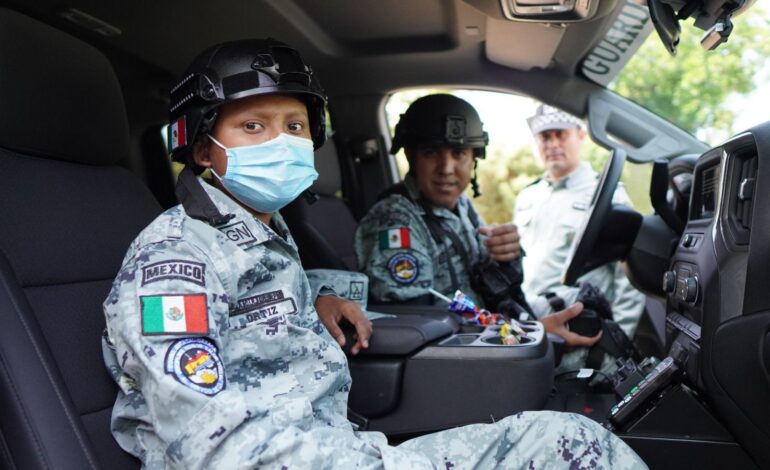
(591, 226)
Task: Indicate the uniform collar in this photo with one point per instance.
(244, 229)
(579, 176)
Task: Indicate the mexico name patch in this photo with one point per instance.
(394, 238)
(182, 270)
(174, 314)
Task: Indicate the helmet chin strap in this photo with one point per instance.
(474, 183)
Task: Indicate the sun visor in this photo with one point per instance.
(504, 38)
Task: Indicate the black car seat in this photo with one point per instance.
(67, 216)
(324, 229)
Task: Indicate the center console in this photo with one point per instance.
(425, 372)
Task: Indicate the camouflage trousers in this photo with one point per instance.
(531, 440)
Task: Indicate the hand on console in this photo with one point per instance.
(331, 310)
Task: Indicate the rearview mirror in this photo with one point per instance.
(558, 11)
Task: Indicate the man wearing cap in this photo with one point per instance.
(549, 211)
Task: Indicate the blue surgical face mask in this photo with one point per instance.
(269, 175)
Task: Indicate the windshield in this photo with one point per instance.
(713, 95)
(511, 163)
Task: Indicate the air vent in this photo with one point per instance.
(744, 180)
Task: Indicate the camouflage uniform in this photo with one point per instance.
(547, 215)
(398, 273)
(240, 373)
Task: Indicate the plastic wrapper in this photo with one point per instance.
(510, 329)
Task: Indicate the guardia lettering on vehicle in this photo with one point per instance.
(628, 32)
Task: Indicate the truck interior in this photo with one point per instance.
(84, 96)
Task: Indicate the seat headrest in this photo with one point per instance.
(327, 164)
(60, 97)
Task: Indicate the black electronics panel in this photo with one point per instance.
(718, 289)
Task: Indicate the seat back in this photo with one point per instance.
(324, 229)
(68, 215)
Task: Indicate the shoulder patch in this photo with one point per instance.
(195, 363)
(166, 314)
(238, 233)
(395, 238)
(403, 268)
(183, 270)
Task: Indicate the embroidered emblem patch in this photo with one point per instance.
(403, 268)
(177, 134)
(195, 363)
(191, 271)
(356, 291)
(238, 233)
(266, 308)
(394, 238)
(174, 314)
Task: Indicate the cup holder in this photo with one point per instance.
(459, 340)
(472, 328)
(497, 340)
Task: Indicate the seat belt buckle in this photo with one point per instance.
(359, 422)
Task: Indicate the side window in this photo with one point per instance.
(512, 160)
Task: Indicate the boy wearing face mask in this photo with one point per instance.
(212, 330)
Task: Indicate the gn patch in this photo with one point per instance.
(238, 233)
(195, 363)
(403, 268)
(183, 270)
(265, 308)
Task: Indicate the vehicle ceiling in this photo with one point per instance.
(356, 47)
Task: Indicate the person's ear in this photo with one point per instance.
(201, 153)
(581, 133)
(409, 152)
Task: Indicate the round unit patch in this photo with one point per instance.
(403, 268)
(195, 363)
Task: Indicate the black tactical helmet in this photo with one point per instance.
(440, 120)
(235, 70)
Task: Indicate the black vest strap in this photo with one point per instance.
(196, 202)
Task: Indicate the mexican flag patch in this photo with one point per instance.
(177, 134)
(174, 314)
(394, 238)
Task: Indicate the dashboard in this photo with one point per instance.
(717, 286)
